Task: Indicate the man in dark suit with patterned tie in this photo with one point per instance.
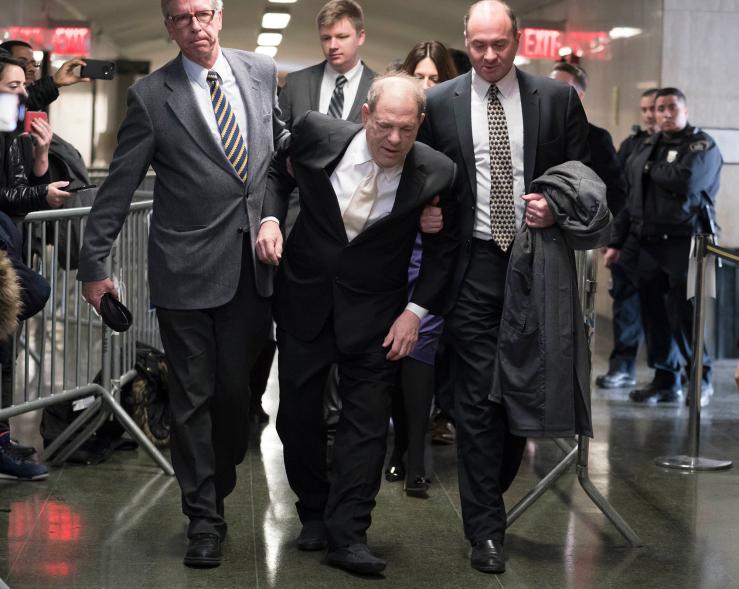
(207, 122)
(341, 297)
(502, 128)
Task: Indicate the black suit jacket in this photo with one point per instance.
(302, 92)
(555, 131)
(607, 166)
(362, 285)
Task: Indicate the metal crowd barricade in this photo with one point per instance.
(703, 249)
(65, 353)
(587, 282)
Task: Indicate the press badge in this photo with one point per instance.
(671, 156)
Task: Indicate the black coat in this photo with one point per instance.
(41, 93)
(542, 373)
(606, 164)
(360, 286)
(17, 196)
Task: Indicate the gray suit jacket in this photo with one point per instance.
(202, 209)
(302, 92)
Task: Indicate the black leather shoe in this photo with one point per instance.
(615, 379)
(656, 394)
(394, 472)
(418, 487)
(312, 536)
(487, 556)
(203, 551)
(356, 558)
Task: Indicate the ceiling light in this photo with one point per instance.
(275, 20)
(520, 60)
(565, 51)
(271, 51)
(269, 39)
(624, 32)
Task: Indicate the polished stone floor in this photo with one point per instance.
(118, 524)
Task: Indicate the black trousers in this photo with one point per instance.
(366, 384)
(627, 325)
(666, 312)
(488, 456)
(210, 353)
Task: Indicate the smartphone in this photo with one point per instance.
(32, 115)
(98, 69)
(79, 188)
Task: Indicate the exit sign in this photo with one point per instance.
(546, 43)
(58, 40)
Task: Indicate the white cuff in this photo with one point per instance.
(275, 219)
(417, 310)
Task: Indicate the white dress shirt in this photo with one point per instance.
(198, 76)
(350, 88)
(353, 167)
(510, 99)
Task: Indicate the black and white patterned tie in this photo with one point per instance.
(502, 210)
(336, 107)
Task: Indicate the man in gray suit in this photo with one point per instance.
(207, 122)
(338, 85)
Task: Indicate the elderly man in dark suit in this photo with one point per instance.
(207, 122)
(341, 296)
(503, 128)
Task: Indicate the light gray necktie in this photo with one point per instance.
(360, 206)
(502, 209)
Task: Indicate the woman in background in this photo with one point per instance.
(430, 62)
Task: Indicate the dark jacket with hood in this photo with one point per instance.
(542, 373)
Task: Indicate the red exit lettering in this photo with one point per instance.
(540, 44)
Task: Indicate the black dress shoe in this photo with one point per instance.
(418, 487)
(394, 472)
(654, 393)
(615, 379)
(356, 558)
(487, 556)
(203, 551)
(312, 536)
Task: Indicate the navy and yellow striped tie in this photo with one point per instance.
(231, 137)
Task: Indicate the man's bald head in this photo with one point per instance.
(491, 37)
(492, 6)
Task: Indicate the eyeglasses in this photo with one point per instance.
(180, 21)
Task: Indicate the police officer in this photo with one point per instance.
(674, 178)
(627, 324)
